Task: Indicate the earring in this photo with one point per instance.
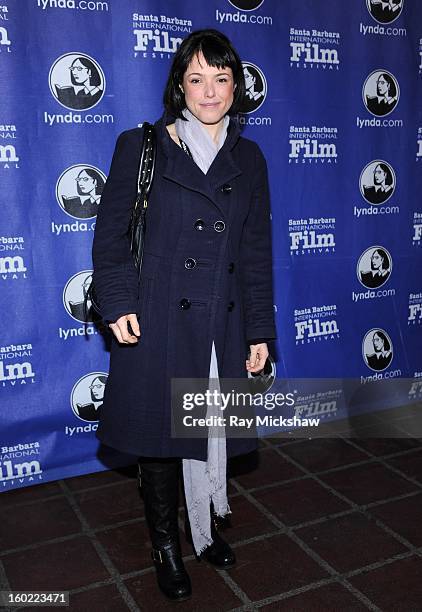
(181, 88)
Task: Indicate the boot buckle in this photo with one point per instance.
(157, 556)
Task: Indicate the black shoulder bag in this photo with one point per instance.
(137, 224)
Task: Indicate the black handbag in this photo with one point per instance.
(137, 223)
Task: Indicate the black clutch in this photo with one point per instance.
(137, 223)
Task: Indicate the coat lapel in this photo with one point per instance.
(183, 170)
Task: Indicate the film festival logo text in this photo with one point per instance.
(5, 42)
(377, 353)
(420, 56)
(322, 404)
(306, 148)
(78, 193)
(309, 49)
(419, 145)
(380, 95)
(417, 229)
(383, 12)
(77, 82)
(153, 35)
(377, 184)
(12, 266)
(8, 156)
(415, 309)
(78, 306)
(246, 16)
(86, 400)
(312, 236)
(16, 365)
(17, 465)
(315, 324)
(373, 270)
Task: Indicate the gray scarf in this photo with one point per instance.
(205, 481)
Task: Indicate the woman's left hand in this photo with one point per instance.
(258, 357)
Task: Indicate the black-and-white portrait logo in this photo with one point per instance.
(385, 11)
(87, 396)
(261, 382)
(74, 297)
(76, 81)
(377, 349)
(246, 5)
(374, 267)
(380, 93)
(79, 189)
(256, 87)
(377, 182)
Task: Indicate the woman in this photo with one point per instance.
(379, 272)
(205, 294)
(87, 85)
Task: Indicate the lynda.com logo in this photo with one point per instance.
(256, 87)
(76, 81)
(246, 5)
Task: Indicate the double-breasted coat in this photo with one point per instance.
(206, 275)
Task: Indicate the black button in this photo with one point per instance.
(226, 188)
(199, 224)
(184, 303)
(190, 263)
(231, 267)
(230, 306)
(219, 226)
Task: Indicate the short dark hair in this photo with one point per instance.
(219, 52)
(95, 75)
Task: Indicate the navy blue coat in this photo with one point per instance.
(222, 221)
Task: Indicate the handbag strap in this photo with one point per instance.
(146, 164)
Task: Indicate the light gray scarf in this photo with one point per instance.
(205, 481)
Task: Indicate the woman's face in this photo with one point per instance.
(378, 343)
(379, 175)
(81, 73)
(208, 90)
(85, 182)
(376, 260)
(97, 389)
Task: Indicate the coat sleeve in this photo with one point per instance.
(115, 276)
(256, 259)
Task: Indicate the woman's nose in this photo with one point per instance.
(209, 90)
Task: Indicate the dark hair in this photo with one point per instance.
(392, 86)
(384, 257)
(387, 172)
(95, 78)
(384, 339)
(96, 176)
(218, 52)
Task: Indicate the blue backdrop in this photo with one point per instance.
(335, 102)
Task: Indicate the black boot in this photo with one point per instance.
(159, 481)
(219, 553)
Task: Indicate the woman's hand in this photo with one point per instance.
(258, 357)
(121, 331)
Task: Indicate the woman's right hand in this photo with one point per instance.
(121, 331)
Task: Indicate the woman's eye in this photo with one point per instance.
(194, 81)
(223, 80)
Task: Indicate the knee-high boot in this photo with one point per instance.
(159, 483)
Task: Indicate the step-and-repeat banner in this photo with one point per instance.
(334, 98)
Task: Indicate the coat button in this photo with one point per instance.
(199, 224)
(190, 263)
(226, 189)
(230, 306)
(219, 226)
(231, 267)
(184, 303)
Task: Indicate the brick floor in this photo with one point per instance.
(322, 524)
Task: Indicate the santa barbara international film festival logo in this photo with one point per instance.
(316, 323)
(78, 193)
(308, 144)
(314, 49)
(12, 263)
(77, 81)
(417, 229)
(377, 349)
(86, 400)
(5, 42)
(158, 36)
(415, 309)
(8, 155)
(380, 93)
(312, 236)
(419, 145)
(16, 365)
(19, 464)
